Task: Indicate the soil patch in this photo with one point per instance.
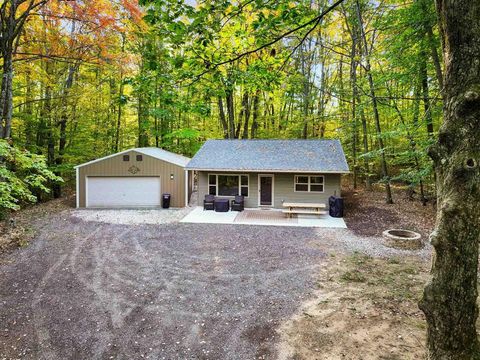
(18, 230)
(366, 308)
(367, 214)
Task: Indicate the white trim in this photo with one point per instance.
(140, 150)
(77, 187)
(186, 188)
(273, 190)
(308, 184)
(86, 191)
(228, 174)
(271, 170)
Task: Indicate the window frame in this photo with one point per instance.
(309, 183)
(240, 185)
(138, 157)
(126, 157)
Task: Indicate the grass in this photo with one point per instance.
(396, 277)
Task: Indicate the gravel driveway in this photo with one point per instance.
(93, 290)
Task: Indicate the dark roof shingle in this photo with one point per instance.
(270, 155)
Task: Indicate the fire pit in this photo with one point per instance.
(402, 239)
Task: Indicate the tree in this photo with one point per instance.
(13, 15)
(368, 70)
(450, 299)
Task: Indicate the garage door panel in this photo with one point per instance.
(123, 191)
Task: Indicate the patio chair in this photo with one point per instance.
(238, 203)
(208, 202)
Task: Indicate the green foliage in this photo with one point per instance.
(22, 174)
(179, 77)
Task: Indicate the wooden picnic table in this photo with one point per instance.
(304, 208)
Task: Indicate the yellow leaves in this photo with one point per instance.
(265, 12)
(229, 10)
(91, 30)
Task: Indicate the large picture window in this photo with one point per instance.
(227, 185)
(306, 183)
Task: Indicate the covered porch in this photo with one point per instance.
(269, 217)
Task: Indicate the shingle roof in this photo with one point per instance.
(157, 153)
(271, 155)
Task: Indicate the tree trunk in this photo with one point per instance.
(435, 57)
(353, 83)
(416, 113)
(425, 6)
(246, 106)
(450, 299)
(230, 114)
(119, 113)
(368, 185)
(29, 131)
(383, 159)
(72, 69)
(425, 96)
(223, 119)
(253, 130)
(47, 114)
(411, 140)
(142, 123)
(6, 96)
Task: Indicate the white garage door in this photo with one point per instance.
(123, 191)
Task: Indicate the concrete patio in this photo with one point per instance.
(261, 217)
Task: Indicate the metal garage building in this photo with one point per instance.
(134, 178)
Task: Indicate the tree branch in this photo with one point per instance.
(316, 20)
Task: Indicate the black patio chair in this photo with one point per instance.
(238, 203)
(208, 202)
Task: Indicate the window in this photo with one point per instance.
(309, 183)
(228, 185)
(139, 158)
(316, 183)
(126, 157)
(244, 185)
(212, 184)
(301, 183)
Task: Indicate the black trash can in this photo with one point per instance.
(166, 201)
(335, 205)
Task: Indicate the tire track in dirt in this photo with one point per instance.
(41, 328)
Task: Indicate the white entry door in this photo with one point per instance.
(123, 191)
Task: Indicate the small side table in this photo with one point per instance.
(222, 205)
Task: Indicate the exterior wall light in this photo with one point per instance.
(171, 176)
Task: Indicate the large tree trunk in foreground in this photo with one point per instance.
(450, 299)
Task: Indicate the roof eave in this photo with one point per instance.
(139, 150)
(272, 170)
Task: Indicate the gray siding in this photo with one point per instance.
(283, 188)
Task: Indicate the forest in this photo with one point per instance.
(81, 80)
(398, 82)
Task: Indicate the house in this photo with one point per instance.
(134, 178)
(270, 172)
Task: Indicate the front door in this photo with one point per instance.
(266, 190)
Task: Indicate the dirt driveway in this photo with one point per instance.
(90, 290)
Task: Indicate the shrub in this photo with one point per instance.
(21, 175)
